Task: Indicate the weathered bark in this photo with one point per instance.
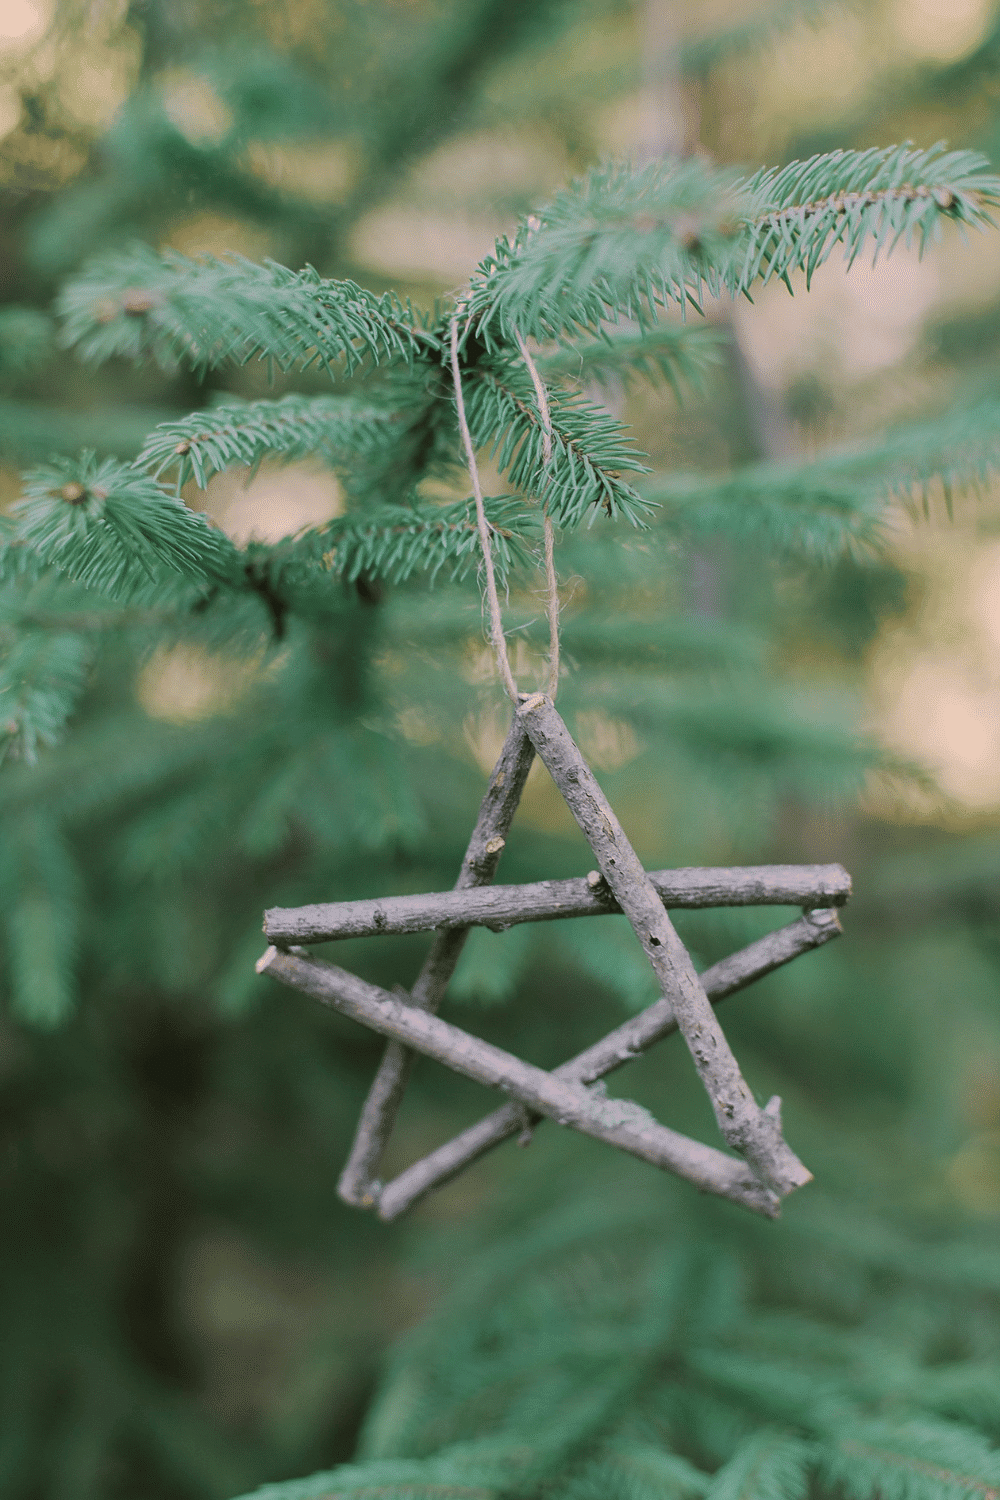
(619, 1046)
(754, 1132)
(616, 1122)
(543, 900)
(358, 1184)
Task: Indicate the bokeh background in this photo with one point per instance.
(188, 1309)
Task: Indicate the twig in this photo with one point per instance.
(503, 906)
(358, 1184)
(551, 582)
(616, 1122)
(492, 599)
(754, 1132)
(618, 1047)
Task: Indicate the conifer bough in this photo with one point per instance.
(620, 243)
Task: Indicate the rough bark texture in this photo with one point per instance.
(754, 1132)
(505, 905)
(619, 1046)
(616, 1122)
(358, 1182)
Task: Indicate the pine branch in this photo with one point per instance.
(679, 355)
(620, 242)
(769, 1466)
(202, 313)
(922, 1460)
(589, 446)
(797, 214)
(441, 1477)
(396, 541)
(42, 675)
(626, 242)
(112, 528)
(207, 442)
(843, 500)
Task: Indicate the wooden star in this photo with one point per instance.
(571, 1094)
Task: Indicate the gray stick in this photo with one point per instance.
(617, 1122)
(504, 905)
(619, 1046)
(752, 1131)
(358, 1184)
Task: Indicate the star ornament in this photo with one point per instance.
(764, 1169)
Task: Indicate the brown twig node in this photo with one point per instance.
(571, 1094)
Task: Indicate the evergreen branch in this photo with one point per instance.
(42, 675)
(397, 540)
(626, 242)
(245, 433)
(204, 312)
(677, 354)
(589, 446)
(620, 242)
(112, 528)
(922, 1460)
(841, 500)
(820, 520)
(769, 1466)
(798, 213)
(438, 1478)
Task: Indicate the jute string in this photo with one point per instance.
(551, 582)
(497, 637)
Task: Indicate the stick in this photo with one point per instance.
(504, 905)
(619, 1046)
(756, 1134)
(617, 1122)
(358, 1184)
(493, 602)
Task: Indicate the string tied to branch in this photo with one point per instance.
(497, 636)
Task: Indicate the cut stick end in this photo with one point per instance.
(357, 1194)
(266, 960)
(824, 918)
(535, 701)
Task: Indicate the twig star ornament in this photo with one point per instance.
(765, 1168)
(769, 1169)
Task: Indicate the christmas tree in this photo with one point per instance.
(609, 1332)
